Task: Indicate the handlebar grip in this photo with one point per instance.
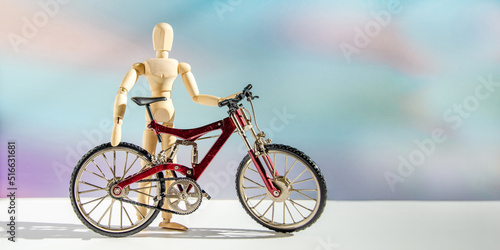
(245, 93)
(248, 87)
(223, 103)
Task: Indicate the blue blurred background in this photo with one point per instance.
(360, 86)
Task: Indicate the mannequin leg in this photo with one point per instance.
(168, 141)
(149, 141)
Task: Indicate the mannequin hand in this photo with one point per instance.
(229, 97)
(116, 134)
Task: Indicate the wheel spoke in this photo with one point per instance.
(284, 221)
(293, 165)
(305, 190)
(91, 190)
(100, 198)
(249, 198)
(286, 162)
(110, 214)
(96, 206)
(128, 216)
(92, 185)
(291, 216)
(297, 210)
(252, 187)
(298, 176)
(293, 202)
(142, 193)
(98, 168)
(302, 181)
(114, 161)
(121, 214)
(106, 160)
(253, 170)
(105, 212)
(143, 188)
(95, 174)
(272, 216)
(125, 165)
(267, 210)
(274, 163)
(258, 202)
(137, 157)
(91, 198)
(305, 195)
(246, 178)
(137, 209)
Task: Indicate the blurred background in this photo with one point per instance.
(394, 100)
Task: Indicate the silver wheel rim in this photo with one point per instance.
(300, 182)
(92, 183)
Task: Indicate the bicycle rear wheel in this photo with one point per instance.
(90, 185)
(303, 190)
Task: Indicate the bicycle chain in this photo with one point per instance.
(162, 195)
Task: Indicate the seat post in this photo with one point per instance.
(150, 113)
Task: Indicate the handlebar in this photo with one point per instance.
(233, 101)
(223, 103)
(247, 88)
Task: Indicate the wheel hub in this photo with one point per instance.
(283, 184)
(115, 191)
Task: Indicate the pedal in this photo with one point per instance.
(205, 194)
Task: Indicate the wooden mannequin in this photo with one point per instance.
(160, 73)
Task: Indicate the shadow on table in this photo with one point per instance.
(42, 230)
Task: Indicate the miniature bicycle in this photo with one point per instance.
(279, 186)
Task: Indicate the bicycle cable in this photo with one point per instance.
(253, 113)
(209, 137)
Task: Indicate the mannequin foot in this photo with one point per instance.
(166, 224)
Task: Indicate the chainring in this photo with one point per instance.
(183, 196)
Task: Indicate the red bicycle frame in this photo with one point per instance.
(236, 120)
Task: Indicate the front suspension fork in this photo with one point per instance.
(263, 174)
(237, 119)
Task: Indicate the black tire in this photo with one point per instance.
(249, 186)
(94, 171)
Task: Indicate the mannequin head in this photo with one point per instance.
(163, 35)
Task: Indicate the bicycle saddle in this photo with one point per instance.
(141, 101)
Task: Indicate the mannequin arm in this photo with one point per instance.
(192, 87)
(121, 100)
(127, 83)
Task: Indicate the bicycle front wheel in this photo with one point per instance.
(90, 185)
(302, 186)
